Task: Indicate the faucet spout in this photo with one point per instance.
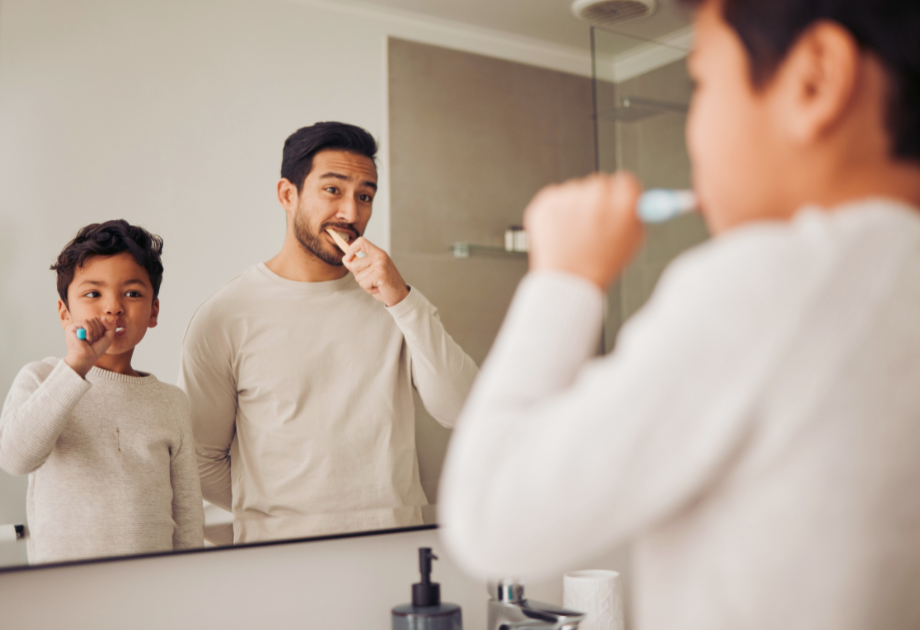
(510, 610)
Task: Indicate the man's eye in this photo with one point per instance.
(366, 198)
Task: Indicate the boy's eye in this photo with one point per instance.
(331, 189)
(91, 294)
(133, 294)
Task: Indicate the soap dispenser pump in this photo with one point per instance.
(426, 612)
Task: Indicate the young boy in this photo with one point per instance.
(756, 431)
(108, 450)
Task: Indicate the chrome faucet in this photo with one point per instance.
(509, 610)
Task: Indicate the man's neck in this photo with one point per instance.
(295, 263)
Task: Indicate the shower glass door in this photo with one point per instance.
(642, 92)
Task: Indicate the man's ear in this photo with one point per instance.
(287, 195)
(818, 79)
(64, 314)
(154, 313)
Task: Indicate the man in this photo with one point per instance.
(755, 432)
(300, 372)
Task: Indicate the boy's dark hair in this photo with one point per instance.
(303, 144)
(108, 239)
(888, 28)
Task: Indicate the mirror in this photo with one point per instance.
(172, 115)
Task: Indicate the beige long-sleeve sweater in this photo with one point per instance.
(110, 459)
(302, 403)
(755, 433)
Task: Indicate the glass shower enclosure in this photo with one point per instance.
(641, 97)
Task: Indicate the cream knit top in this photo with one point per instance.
(302, 398)
(110, 459)
(755, 433)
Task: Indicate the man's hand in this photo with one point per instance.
(376, 272)
(587, 227)
(82, 355)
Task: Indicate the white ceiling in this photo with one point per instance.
(546, 20)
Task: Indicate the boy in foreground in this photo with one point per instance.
(755, 432)
(108, 449)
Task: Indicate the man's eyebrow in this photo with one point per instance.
(331, 175)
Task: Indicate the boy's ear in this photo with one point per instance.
(64, 314)
(154, 313)
(819, 78)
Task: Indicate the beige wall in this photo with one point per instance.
(472, 138)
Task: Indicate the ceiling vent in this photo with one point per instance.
(613, 12)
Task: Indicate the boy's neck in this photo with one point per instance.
(894, 180)
(118, 363)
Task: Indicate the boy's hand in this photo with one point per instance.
(376, 272)
(82, 355)
(587, 227)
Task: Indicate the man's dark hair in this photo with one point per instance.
(303, 144)
(887, 28)
(108, 239)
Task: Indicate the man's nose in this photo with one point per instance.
(348, 210)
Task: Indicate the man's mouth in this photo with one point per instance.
(341, 238)
(347, 235)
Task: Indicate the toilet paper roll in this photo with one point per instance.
(599, 594)
(7, 533)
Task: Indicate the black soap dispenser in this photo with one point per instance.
(426, 612)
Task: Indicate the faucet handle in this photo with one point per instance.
(510, 609)
(508, 590)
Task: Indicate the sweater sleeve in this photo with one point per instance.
(206, 376)
(571, 455)
(442, 372)
(35, 413)
(188, 512)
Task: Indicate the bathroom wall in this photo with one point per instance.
(472, 139)
(172, 114)
(350, 583)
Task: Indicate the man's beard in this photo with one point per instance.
(314, 243)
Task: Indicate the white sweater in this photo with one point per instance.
(110, 459)
(302, 403)
(755, 433)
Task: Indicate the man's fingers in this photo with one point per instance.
(360, 244)
(369, 282)
(357, 265)
(370, 276)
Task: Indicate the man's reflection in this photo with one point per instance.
(300, 371)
